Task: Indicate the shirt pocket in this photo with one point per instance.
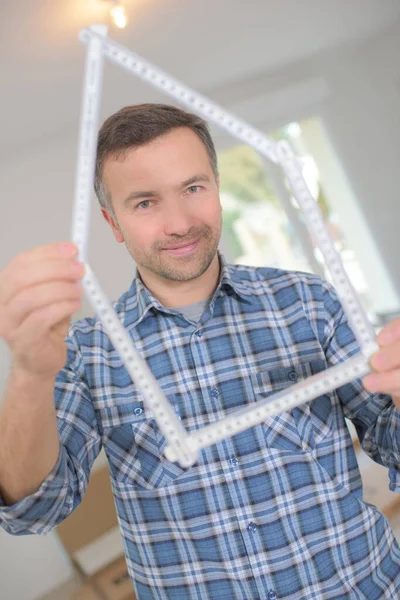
(304, 426)
(135, 451)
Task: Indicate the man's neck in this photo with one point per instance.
(172, 294)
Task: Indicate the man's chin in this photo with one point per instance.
(187, 270)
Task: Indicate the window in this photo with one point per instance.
(263, 226)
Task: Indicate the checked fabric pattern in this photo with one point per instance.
(275, 512)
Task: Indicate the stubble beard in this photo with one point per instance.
(180, 268)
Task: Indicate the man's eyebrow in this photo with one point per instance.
(151, 194)
(199, 177)
(136, 195)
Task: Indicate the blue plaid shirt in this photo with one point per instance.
(275, 512)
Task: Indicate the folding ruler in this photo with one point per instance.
(182, 446)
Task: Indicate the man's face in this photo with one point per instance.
(164, 195)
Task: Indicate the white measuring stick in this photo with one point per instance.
(238, 421)
(139, 371)
(137, 368)
(201, 105)
(358, 320)
(182, 446)
(88, 131)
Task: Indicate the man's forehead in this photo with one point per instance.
(179, 166)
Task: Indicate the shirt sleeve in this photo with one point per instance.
(375, 416)
(80, 442)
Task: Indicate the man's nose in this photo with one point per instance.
(177, 219)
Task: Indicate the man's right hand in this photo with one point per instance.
(39, 292)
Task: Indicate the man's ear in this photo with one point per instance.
(111, 221)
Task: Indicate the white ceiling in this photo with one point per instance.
(206, 43)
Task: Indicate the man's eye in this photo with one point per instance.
(193, 189)
(140, 205)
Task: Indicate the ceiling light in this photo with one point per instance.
(118, 15)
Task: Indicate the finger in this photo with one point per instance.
(387, 358)
(383, 383)
(22, 276)
(53, 250)
(31, 299)
(39, 323)
(30, 258)
(390, 333)
(48, 251)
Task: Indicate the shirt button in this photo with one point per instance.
(199, 333)
(293, 376)
(214, 393)
(252, 527)
(234, 461)
(271, 595)
(138, 411)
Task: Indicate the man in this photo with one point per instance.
(275, 512)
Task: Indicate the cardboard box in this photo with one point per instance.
(94, 516)
(92, 539)
(113, 582)
(87, 592)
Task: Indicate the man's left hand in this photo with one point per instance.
(385, 364)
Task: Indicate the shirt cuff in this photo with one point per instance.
(31, 514)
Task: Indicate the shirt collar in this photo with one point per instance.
(140, 300)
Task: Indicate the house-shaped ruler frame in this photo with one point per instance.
(182, 446)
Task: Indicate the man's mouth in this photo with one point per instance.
(184, 248)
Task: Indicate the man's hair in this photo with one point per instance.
(134, 126)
